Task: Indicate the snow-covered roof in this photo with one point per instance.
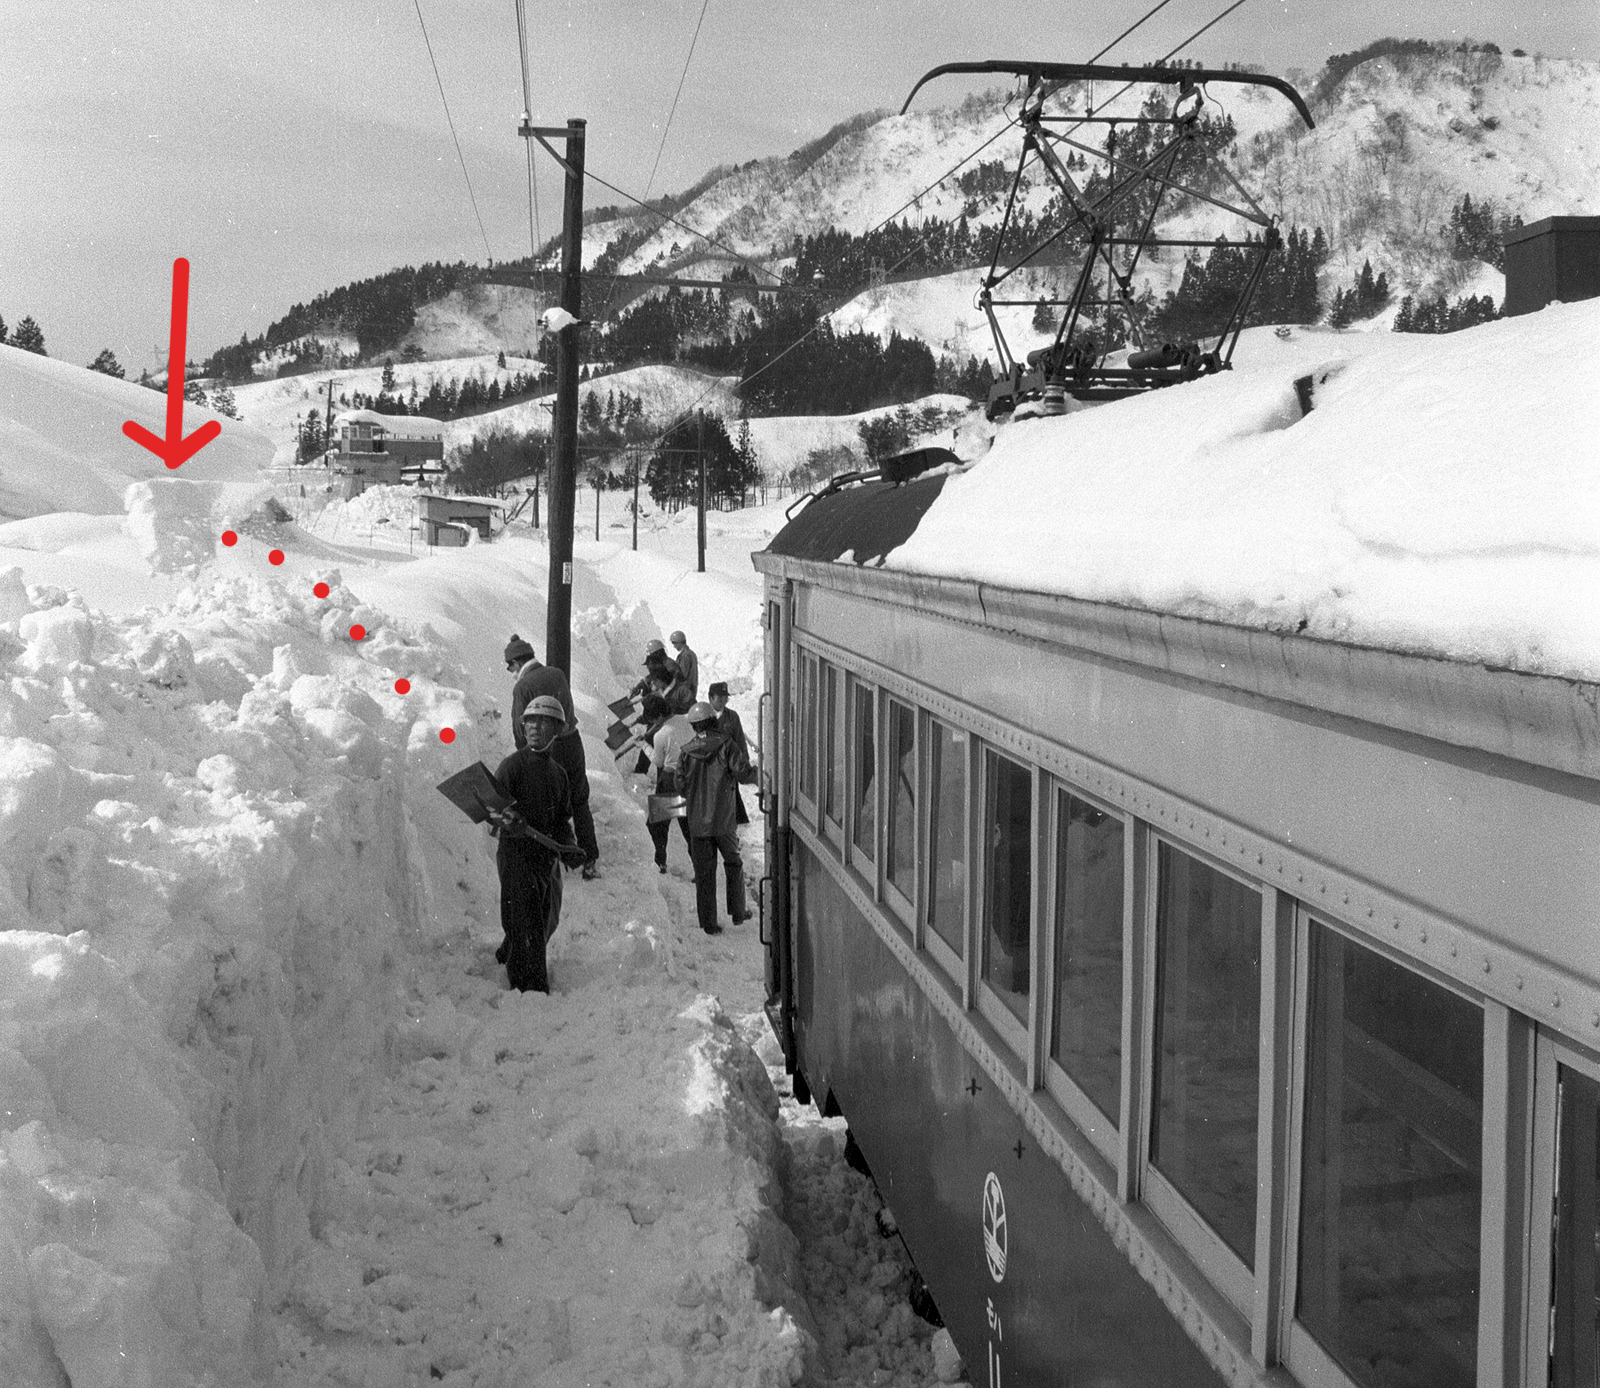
(1442, 497)
(400, 426)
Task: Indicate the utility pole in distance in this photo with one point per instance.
(700, 527)
(564, 452)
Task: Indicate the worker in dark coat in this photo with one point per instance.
(709, 774)
(688, 665)
(534, 679)
(530, 871)
(732, 728)
(656, 663)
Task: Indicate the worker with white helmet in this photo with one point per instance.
(533, 834)
(534, 679)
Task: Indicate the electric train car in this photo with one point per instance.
(1210, 1003)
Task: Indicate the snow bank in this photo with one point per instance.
(62, 447)
(1443, 497)
(204, 885)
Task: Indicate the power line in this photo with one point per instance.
(668, 217)
(1192, 37)
(453, 136)
(668, 126)
(534, 234)
(822, 318)
(1148, 14)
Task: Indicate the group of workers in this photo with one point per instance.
(697, 752)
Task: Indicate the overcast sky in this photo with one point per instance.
(288, 146)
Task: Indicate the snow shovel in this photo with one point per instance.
(621, 708)
(617, 734)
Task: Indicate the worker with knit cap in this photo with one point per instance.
(534, 680)
(530, 870)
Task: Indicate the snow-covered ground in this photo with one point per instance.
(268, 1113)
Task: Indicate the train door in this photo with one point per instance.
(777, 722)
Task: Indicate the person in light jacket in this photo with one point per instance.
(672, 734)
(709, 774)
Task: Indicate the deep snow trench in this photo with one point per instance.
(271, 1114)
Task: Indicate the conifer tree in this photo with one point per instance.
(28, 336)
(223, 402)
(2, 331)
(388, 374)
(107, 365)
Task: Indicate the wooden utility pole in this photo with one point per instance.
(564, 438)
(597, 505)
(700, 528)
(636, 500)
(327, 424)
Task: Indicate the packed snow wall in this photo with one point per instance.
(206, 871)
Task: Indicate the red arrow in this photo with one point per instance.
(175, 450)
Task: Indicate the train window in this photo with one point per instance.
(947, 835)
(808, 728)
(900, 828)
(1390, 1171)
(864, 773)
(1208, 1044)
(1086, 1008)
(832, 746)
(1575, 1325)
(1007, 880)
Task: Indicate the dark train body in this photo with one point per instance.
(1209, 1004)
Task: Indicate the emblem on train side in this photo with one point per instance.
(994, 1227)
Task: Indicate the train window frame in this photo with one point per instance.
(1243, 1285)
(1509, 1325)
(808, 722)
(1552, 1053)
(927, 938)
(902, 904)
(1102, 1129)
(833, 682)
(1018, 1034)
(862, 858)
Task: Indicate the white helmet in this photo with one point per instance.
(545, 706)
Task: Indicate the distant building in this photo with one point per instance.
(1553, 260)
(445, 520)
(385, 450)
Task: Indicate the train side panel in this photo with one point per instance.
(1067, 1306)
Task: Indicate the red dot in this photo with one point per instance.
(276, 557)
(321, 590)
(447, 734)
(402, 686)
(229, 538)
(358, 632)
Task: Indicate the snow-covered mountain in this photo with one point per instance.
(1400, 138)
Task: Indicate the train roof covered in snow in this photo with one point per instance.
(1440, 498)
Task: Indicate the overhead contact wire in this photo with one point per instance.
(451, 122)
(535, 237)
(674, 109)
